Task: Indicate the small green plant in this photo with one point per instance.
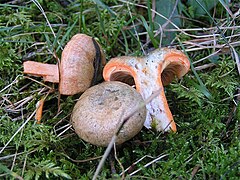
(47, 168)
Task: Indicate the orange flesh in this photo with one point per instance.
(180, 61)
(38, 115)
(49, 72)
(165, 104)
(124, 69)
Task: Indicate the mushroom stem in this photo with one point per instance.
(149, 74)
(49, 72)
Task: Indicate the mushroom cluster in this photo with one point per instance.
(101, 108)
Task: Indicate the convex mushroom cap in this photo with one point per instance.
(100, 110)
(81, 62)
(149, 74)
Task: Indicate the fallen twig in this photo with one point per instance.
(113, 140)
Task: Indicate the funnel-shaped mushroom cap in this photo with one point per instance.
(175, 63)
(80, 58)
(100, 111)
(149, 74)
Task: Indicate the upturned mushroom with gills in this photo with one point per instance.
(148, 74)
(81, 63)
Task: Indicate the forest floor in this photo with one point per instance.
(204, 103)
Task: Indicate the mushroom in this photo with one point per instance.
(80, 64)
(100, 110)
(149, 74)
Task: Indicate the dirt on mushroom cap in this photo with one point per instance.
(100, 110)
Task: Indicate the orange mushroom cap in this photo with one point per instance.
(150, 73)
(80, 64)
(77, 64)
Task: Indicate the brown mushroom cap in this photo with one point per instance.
(101, 109)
